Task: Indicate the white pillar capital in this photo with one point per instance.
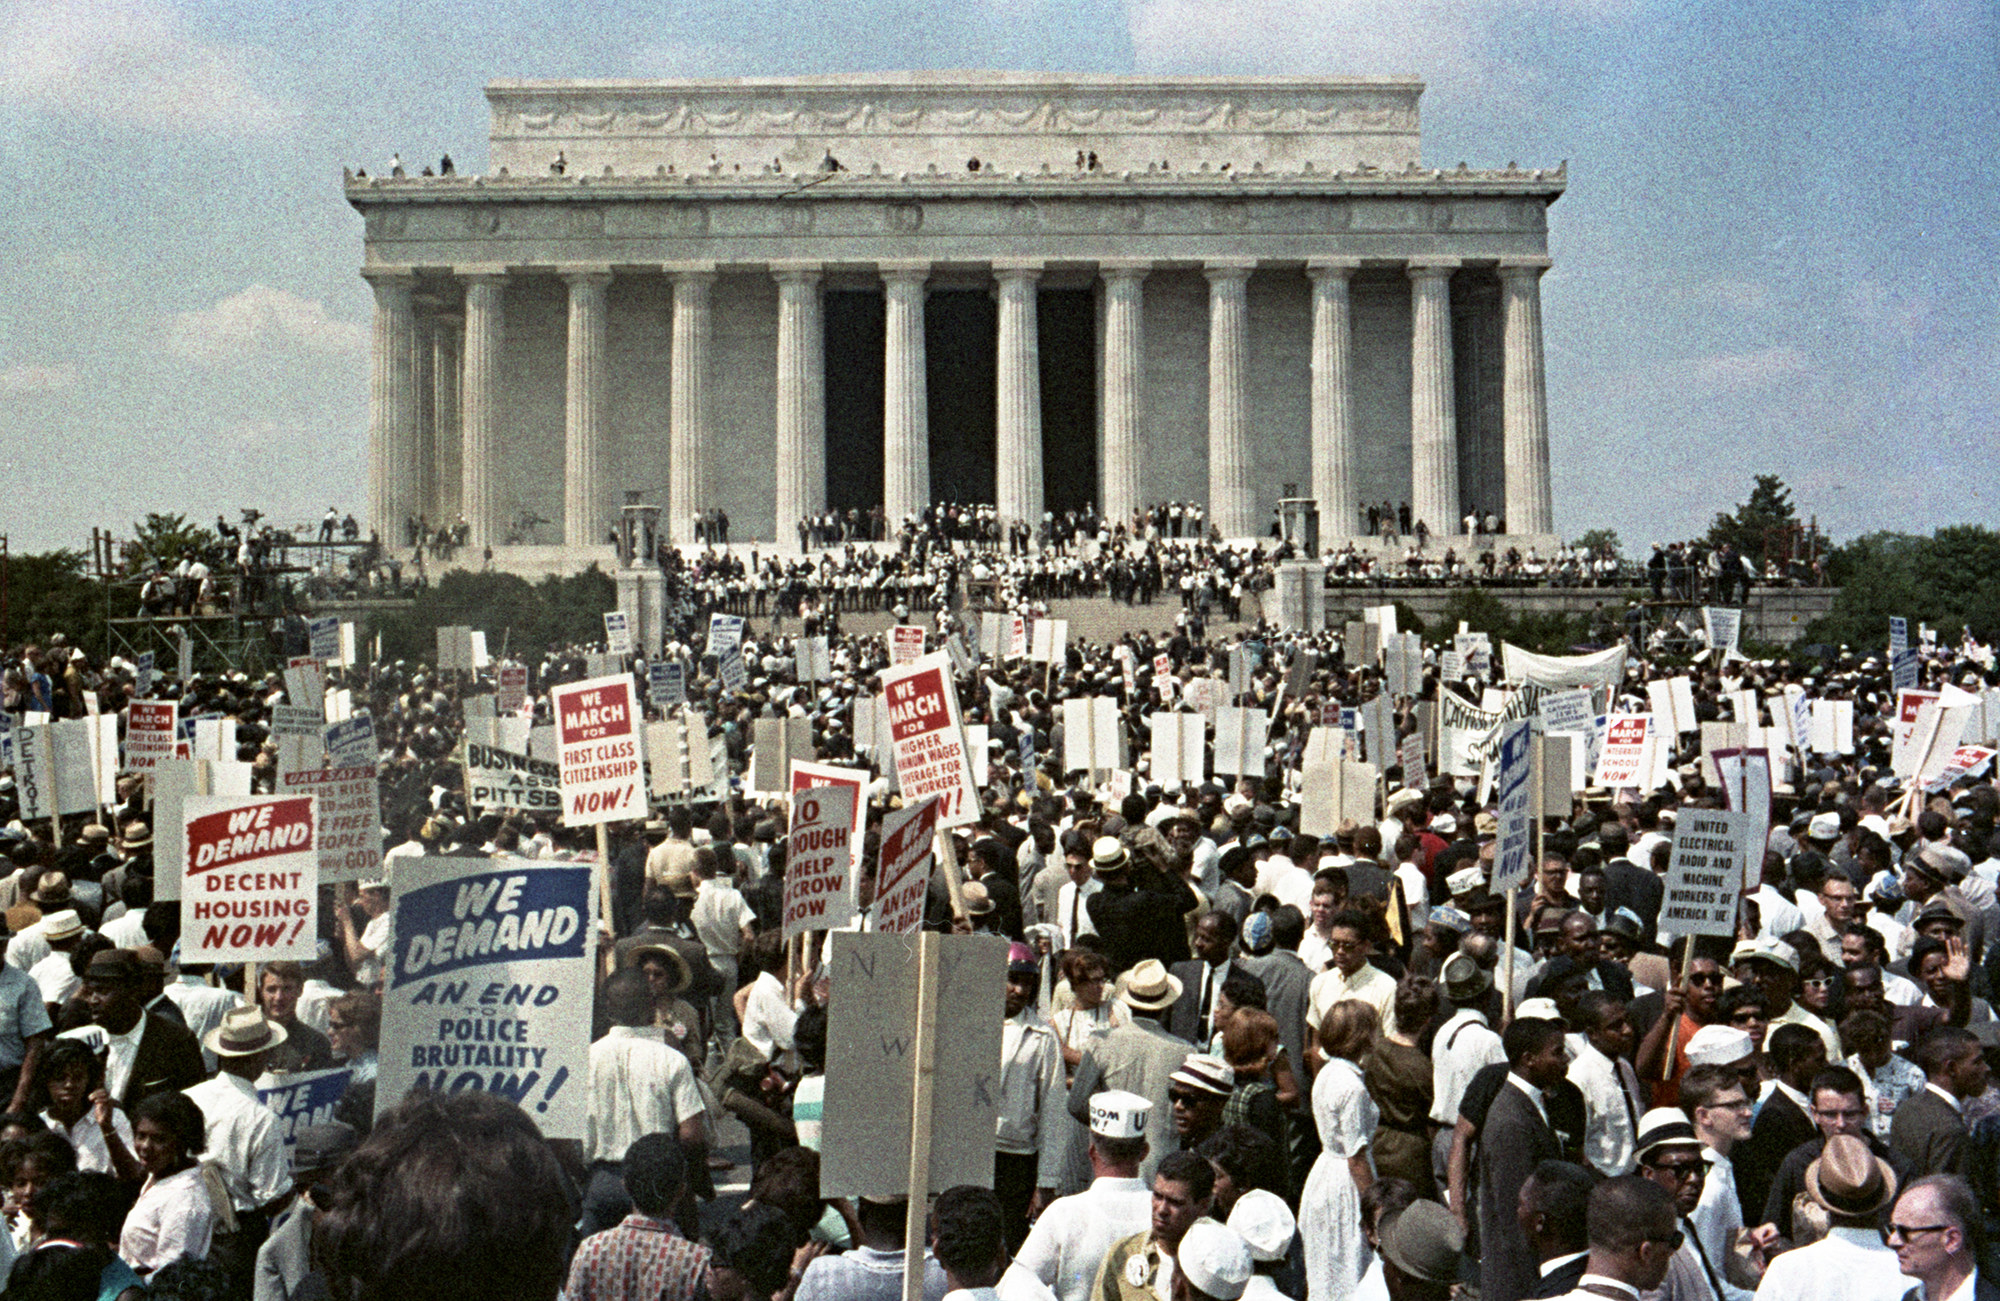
(1524, 268)
(1228, 270)
(1029, 271)
(1120, 270)
(1332, 268)
(797, 273)
(903, 272)
(587, 278)
(1436, 268)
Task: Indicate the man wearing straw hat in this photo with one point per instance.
(1139, 1057)
(244, 1138)
(1851, 1263)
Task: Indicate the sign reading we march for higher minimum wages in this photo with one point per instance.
(930, 740)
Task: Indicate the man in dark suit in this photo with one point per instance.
(1931, 1229)
(145, 1053)
(1515, 1139)
(1202, 979)
(1784, 1121)
(1287, 981)
(1929, 1129)
(1840, 1107)
(1552, 1217)
(1626, 884)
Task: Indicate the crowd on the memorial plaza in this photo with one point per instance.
(1237, 1058)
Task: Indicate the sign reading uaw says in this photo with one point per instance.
(251, 887)
(489, 986)
(597, 745)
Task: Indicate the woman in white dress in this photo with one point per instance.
(1330, 1207)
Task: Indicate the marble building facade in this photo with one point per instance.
(777, 296)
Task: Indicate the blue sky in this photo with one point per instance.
(1778, 252)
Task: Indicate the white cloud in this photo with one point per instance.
(27, 377)
(131, 63)
(1446, 41)
(260, 318)
(1752, 369)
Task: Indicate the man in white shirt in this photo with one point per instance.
(1712, 1096)
(1070, 1240)
(1851, 1263)
(1350, 976)
(1463, 1046)
(202, 1005)
(1073, 899)
(244, 1138)
(723, 922)
(638, 1086)
(1610, 1088)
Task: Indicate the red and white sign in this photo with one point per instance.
(1622, 761)
(512, 688)
(350, 819)
(597, 751)
(251, 887)
(906, 644)
(150, 727)
(929, 739)
(1903, 739)
(825, 774)
(1965, 761)
(903, 879)
(1163, 664)
(1017, 636)
(819, 863)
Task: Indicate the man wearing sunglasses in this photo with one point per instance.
(1933, 1230)
(1634, 1234)
(1670, 1156)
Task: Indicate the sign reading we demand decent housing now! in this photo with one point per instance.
(251, 887)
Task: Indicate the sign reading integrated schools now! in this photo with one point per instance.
(597, 744)
(250, 892)
(488, 987)
(925, 727)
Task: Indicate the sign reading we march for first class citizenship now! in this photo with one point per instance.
(597, 741)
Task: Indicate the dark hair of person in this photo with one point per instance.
(1837, 1079)
(64, 1054)
(1628, 1210)
(1529, 1035)
(1250, 1157)
(809, 1037)
(1288, 927)
(1244, 990)
(1943, 1046)
(626, 998)
(48, 1149)
(62, 1271)
(87, 1205)
(757, 1242)
(789, 1180)
(191, 1280)
(1190, 1169)
(453, 1197)
(1560, 1192)
(655, 1168)
(967, 1237)
(1385, 1197)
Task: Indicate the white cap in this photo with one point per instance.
(1719, 1045)
(1215, 1259)
(1465, 880)
(1874, 822)
(1261, 1218)
(1537, 1009)
(1444, 824)
(1118, 1114)
(1824, 826)
(1766, 949)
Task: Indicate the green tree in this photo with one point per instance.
(164, 540)
(1595, 541)
(53, 592)
(1749, 529)
(1950, 580)
(519, 617)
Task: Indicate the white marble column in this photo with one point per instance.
(1232, 492)
(1525, 398)
(1018, 445)
(445, 417)
(392, 406)
(479, 396)
(906, 448)
(801, 458)
(688, 434)
(1335, 476)
(585, 523)
(423, 459)
(1122, 410)
(1433, 406)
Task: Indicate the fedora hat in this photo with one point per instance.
(1149, 987)
(1848, 1179)
(52, 891)
(138, 836)
(682, 977)
(1425, 1242)
(244, 1032)
(978, 902)
(59, 926)
(1464, 978)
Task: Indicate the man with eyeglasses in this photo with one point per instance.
(1713, 1097)
(1839, 1109)
(1633, 1238)
(1773, 967)
(1670, 1156)
(1935, 1231)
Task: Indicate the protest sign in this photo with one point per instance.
(1178, 752)
(810, 660)
(174, 780)
(350, 819)
(323, 637)
(855, 779)
(873, 1038)
(489, 986)
(510, 688)
(1378, 729)
(1403, 664)
(1410, 757)
(1017, 636)
(617, 632)
(666, 684)
(497, 778)
(731, 669)
(1562, 772)
(149, 733)
(903, 871)
(1163, 665)
(906, 644)
(929, 739)
(1240, 740)
(184, 658)
(1093, 735)
(297, 720)
(305, 684)
(1462, 731)
(250, 890)
(597, 739)
(1939, 730)
(775, 744)
(1724, 627)
(303, 1099)
(454, 648)
(978, 742)
(1705, 871)
(1566, 711)
(351, 743)
(1745, 779)
(725, 633)
(1964, 761)
(214, 737)
(1333, 789)
(142, 675)
(819, 860)
(1599, 669)
(1903, 730)
(1204, 695)
(681, 759)
(1513, 853)
(1623, 758)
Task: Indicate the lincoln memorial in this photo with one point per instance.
(776, 297)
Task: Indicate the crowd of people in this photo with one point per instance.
(1237, 1058)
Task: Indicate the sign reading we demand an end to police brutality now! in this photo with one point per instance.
(251, 886)
(597, 750)
(488, 987)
